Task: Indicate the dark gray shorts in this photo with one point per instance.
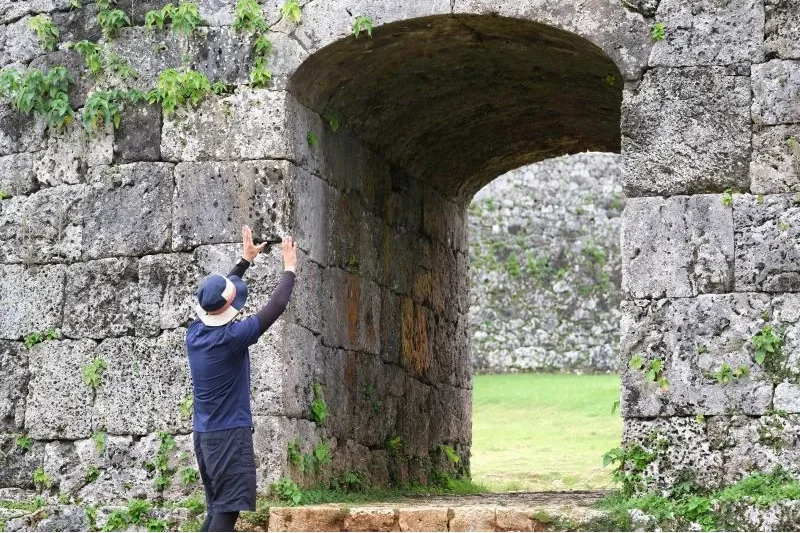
(228, 469)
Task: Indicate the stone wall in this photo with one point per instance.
(545, 269)
(105, 234)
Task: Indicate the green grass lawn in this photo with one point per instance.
(543, 431)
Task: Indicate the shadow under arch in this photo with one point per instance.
(456, 101)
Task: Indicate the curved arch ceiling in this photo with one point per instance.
(459, 100)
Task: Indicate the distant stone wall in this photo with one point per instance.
(545, 267)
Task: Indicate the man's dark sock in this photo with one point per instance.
(206, 522)
(224, 521)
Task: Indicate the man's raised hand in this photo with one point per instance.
(250, 250)
(289, 249)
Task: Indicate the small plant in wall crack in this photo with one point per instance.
(188, 475)
(726, 374)
(362, 24)
(727, 197)
(186, 407)
(652, 371)
(184, 18)
(24, 443)
(41, 480)
(99, 438)
(248, 17)
(36, 92)
(177, 88)
(111, 21)
(793, 146)
(768, 352)
(292, 10)
(93, 373)
(37, 337)
(319, 409)
(311, 139)
(260, 75)
(45, 30)
(658, 31)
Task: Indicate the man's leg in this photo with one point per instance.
(207, 488)
(224, 521)
(206, 522)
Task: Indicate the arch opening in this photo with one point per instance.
(395, 134)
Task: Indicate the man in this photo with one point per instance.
(219, 361)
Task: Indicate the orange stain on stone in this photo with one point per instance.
(353, 297)
(414, 336)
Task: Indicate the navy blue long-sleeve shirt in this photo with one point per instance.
(219, 361)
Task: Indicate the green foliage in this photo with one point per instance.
(41, 480)
(90, 52)
(104, 4)
(3, 195)
(99, 438)
(103, 107)
(75, 4)
(394, 445)
(794, 149)
(93, 372)
(137, 510)
(727, 197)
(157, 524)
(362, 24)
(333, 121)
(312, 140)
(159, 17)
(36, 92)
(652, 372)
(163, 470)
(186, 407)
(726, 374)
(186, 18)
(260, 75)
(262, 46)
(111, 21)
(512, 266)
(91, 514)
(295, 454)
(92, 473)
(195, 503)
(220, 88)
(177, 88)
(450, 453)
(322, 453)
(291, 10)
(658, 31)
(117, 521)
(538, 267)
(287, 490)
(188, 475)
(350, 481)
(24, 442)
(319, 409)
(45, 30)
(594, 253)
(629, 464)
(248, 17)
(768, 353)
(36, 337)
(610, 80)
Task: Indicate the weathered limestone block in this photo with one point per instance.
(248, 124)
(17, 465)
(312, 518)
(281, 374)
(372, 399)
(311, 222)
(18, 132)
(422, 518)
(694, 337)
(101, 298)
(65, 518)
(775, 166)
(786, 315)
(686, 130)
(13, 386)
(59, 404)
(410, 425)
(18, 43)
(32, 299)
(782, 29)
(150, 374)
(148, 52)
(371, 519)
(214, 200)
(390, 335)
(709, 33)
(167, 285)
(129, 211)
(451, 408)
(270, 441)
(787, 397)
(68, 154)
(755, 444)
(351, 311)
(353, 235)
(46, 226)
(776, 92)
(624, 36)
(11, 10)
(684, 446)
(676, 247)
(304, 307)
(767, 252)
(222, 54)
(79, 24)
(17, 175)
(469, 518)
(285, 61)
(138, 137)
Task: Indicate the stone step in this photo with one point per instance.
(429, 516)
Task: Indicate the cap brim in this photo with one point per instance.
(230, 313)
